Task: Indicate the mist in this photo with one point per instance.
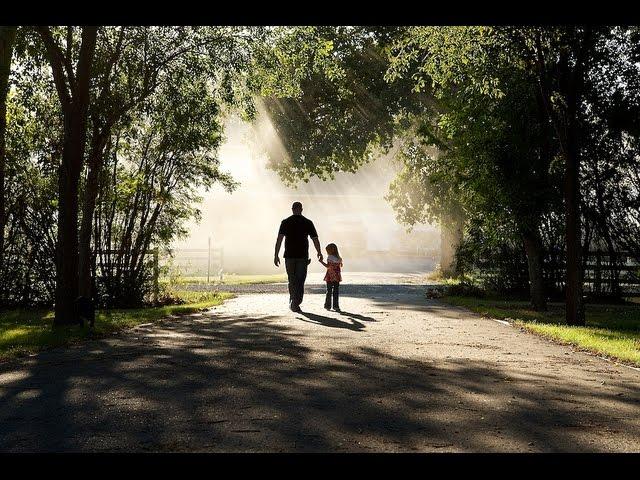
(350, 211)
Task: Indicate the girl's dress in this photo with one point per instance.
(333, 279)
(333, 270)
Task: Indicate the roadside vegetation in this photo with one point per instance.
(611, 330)
(25, 331)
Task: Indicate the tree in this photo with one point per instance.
(107, 81)
(149, 188)
(610, 120)
(132, 64)
(561, 58)
(72, 79)
(420, 194)
(491, 130)
(117, 71)
(33, 150)
(7, 39)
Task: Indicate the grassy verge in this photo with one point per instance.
(229, 279)
(611, 330)
(28, 331)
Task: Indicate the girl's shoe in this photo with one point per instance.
(327, 308)
(337, 310)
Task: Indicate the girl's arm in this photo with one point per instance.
(323, 263)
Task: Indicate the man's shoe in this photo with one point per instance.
(296, 309)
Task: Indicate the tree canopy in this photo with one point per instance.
(502, 128)
(522, 139)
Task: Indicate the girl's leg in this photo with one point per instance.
(327, 299)
(336, 296)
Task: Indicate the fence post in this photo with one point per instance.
(221, 262)
(598, 273)
(208, 259)
(156, 275)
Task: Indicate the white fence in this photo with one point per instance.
(193, 262)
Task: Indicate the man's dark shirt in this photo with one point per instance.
(295, 229)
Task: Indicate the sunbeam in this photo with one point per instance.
(349, 210)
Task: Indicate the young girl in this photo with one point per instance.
(332, 277)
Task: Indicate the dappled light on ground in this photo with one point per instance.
(393, 372)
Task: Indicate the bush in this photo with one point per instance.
(466, 289)
(500, 267)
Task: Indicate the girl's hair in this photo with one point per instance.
(332, 249)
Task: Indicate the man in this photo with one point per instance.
(295, 230)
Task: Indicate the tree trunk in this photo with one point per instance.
(7, 39)
(450, 238)
(95, 163)
(88, 208)
(67, 255)
(533, 249)
(573, 82)
(73, 92)
(574, 302)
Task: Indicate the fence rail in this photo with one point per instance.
(196, 261)
(603, 274)
(207, 262)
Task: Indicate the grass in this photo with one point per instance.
(230, 279)
(25, 331)
(611, 330)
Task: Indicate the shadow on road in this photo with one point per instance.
(331, 322)
(358, 316)
(238, 383)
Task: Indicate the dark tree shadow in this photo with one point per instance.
(221, 383)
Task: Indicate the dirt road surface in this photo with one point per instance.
(394, 372)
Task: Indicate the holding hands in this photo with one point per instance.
(321, 259)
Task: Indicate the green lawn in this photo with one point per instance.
(611, 330)
(230, 279)
(28, 331)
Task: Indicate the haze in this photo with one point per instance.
(350, 211)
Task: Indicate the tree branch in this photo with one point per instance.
(56, 60)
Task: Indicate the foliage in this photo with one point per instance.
(151, 185)
(158, 98)
(27, 273)
(482, 149)
(343, 113)
(499, 144)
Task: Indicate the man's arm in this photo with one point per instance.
(316, 243)
(314, 236)
(276, 258)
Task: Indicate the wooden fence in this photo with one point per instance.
(604, 274)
